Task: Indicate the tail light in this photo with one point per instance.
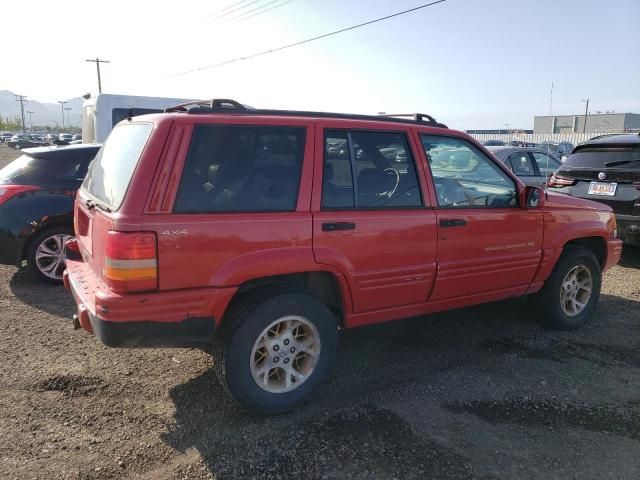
(9, 191)
(637, 185)
(131, 261)
(558, 181)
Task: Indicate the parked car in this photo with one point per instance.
(256, 232)
(36, 206)
(65, 137)
(494, 143)
(76, 136)
(559, 149)
(532, 165)
(24, 141)
(5, 136)
(606, 169)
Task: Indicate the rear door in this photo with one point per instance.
(369, 215)
(487, 243)
(546, 164)
(521, 163)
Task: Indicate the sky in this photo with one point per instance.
(469, 63)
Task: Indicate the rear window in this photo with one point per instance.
(110, 172)
(623, 158)
(26, 170)
(241, 168)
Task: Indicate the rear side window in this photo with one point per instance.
(41, 171)
(110, 172)
(241, 168)
(546, 164)
(381, 165)
(598, 158)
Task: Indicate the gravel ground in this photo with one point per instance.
(480, 392)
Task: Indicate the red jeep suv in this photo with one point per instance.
(263, 232)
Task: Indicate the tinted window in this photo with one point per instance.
(546, 164)
(241, 169)
(110, 172)
(521, 164)
(41, 171)
(465, 177)
(384, 171)
(119, 114)
(597, 157)
(337, 179)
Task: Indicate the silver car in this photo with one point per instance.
(532, 165)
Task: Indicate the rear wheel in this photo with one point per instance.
(45, 254)
(570, 294)
(274, 348)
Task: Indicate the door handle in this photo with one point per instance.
(333, 227)
(452, 222)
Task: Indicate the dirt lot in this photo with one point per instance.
(476, 393)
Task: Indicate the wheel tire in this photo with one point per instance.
(548, 300)
(245, 324)
(32, 250)
(17, 147)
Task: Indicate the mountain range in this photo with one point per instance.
(44, 114)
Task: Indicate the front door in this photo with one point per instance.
(370, 220)
(486, 241)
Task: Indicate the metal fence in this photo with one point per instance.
(574, 138)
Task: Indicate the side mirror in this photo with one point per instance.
(533, 197)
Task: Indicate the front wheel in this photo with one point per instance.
(274, 348)
(569, 296)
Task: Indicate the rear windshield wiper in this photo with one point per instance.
(91, 204)
(620, 162)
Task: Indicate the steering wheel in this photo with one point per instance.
(389, 193)
(449, 191)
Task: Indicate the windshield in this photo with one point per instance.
(623, 158)
(110, 172)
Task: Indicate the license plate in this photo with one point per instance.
(601, 188)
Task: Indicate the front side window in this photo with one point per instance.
(381, 165)
(546, 163)
(241, 168)
(520, 164)
(464, 177)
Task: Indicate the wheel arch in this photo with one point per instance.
(42, 225)
(330, 288)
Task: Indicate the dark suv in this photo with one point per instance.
(606, 169)
(262, 232)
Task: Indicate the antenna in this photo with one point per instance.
(546, 183)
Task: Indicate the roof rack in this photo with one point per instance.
(208, 106)
(225, 105)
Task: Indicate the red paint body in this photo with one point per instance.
(396, 263)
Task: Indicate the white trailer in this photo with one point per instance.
(102, 112)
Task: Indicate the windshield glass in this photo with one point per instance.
(110, 172)
(596, 158)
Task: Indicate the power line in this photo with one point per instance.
(284, 47)
(262, 12)
(252, 10)
(226, 14)
(227, 8)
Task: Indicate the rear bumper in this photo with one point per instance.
(629, 228)
(10, 245)
(184, 318)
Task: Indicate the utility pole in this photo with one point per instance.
(30, 121)
(586, 112)
(508, 129)
(97, 61)
(22, 99)
(68, 109)
(62, 110)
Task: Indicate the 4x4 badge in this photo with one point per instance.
(602, 176)
(174, 232)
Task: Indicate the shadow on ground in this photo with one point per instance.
(52, 299)
(345, 433)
